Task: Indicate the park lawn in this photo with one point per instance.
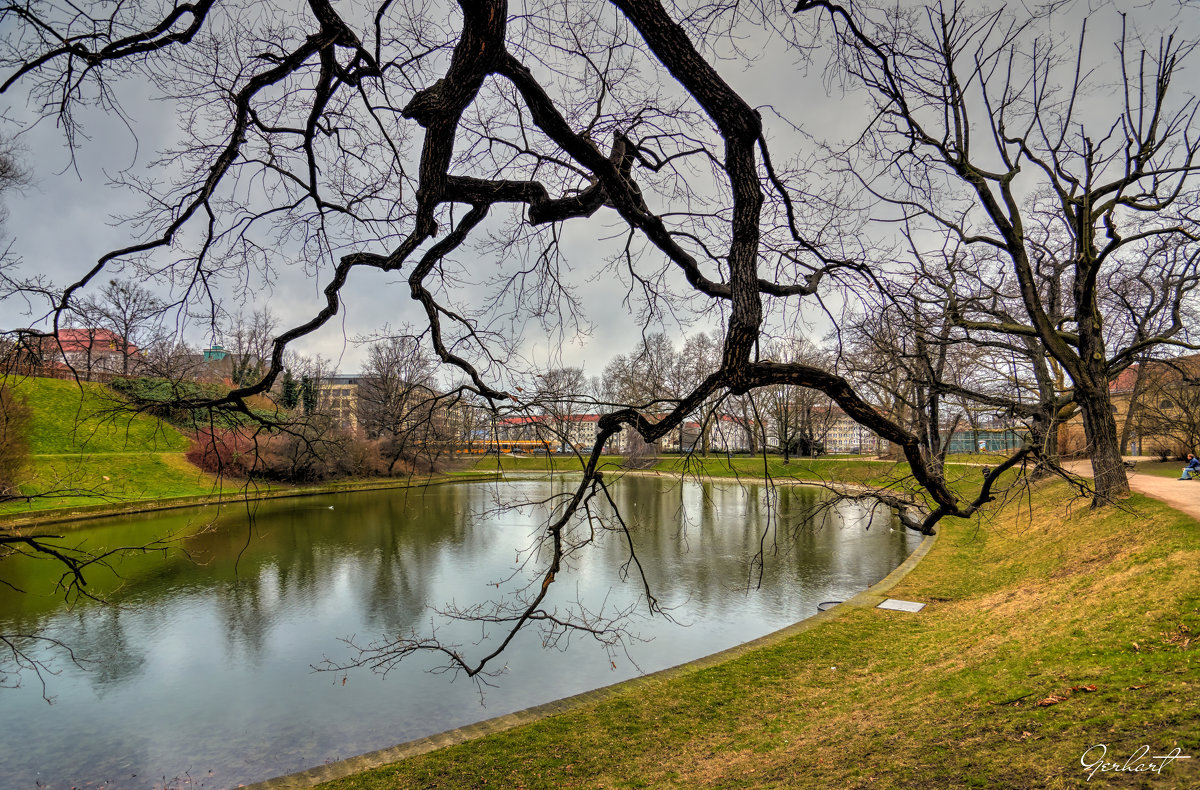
(534, 463)
(846, 470)
(90, 452)
(976, 458)
(852, 469)
(114, 478)
(1159, 468)
(964, 479)
(1038, 603)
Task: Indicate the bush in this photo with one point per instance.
(15, 418)
(316, 453)
(399, 456)
(311, 453)
(232, 453)
(157, 396)
(364, 459)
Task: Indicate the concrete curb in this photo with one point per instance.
(869, 598)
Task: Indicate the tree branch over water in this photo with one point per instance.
(390, 139)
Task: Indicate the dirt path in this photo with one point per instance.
(1183, 495)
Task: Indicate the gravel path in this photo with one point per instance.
(1183, 495)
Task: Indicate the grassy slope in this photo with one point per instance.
(70, 418)
(79, 438)
(1041, 599)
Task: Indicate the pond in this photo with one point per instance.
(198, 672)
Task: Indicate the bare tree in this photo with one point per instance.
(250, 339)
(396, 139)
(1166, 412)
(13, 176)
(165, 356)
(397, 397)
(126, 310)
(798, 416)
(653, 377)
(984, 133)
(561, 403)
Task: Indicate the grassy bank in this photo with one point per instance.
(990, 686)
(1168, 469)
(90, 451)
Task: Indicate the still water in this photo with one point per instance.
(199, 671)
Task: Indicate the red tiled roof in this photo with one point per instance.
(1124, 380)
(84, 339)
(547, 418)
(521, 420)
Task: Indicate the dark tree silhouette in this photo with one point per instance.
(405, 140)
(1079, 214)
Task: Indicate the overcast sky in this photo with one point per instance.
(66, 218)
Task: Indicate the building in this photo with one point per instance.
(337, 398)
(1156, 406)
(556, 433)
(93, 353)
(842, 434)
(728, 434)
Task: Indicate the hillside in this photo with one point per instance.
(70, 418)
(90, 451)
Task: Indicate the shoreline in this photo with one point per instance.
(340, 769)
(85, 513)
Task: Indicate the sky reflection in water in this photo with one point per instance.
(203, 671)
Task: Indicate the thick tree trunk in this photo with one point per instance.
(1103, 442)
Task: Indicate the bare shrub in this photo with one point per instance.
(229, 452)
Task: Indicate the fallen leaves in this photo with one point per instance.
(1015, 701)
(1053, 699)
(1181, 636)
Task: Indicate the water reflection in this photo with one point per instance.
(202, 664)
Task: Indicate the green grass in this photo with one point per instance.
(71, 418)
(1040, 601)
(87, 450)
(856, 470)
(976, 458)
(113, 478)
(1160, 468)
(535, 463)
(963, 479)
